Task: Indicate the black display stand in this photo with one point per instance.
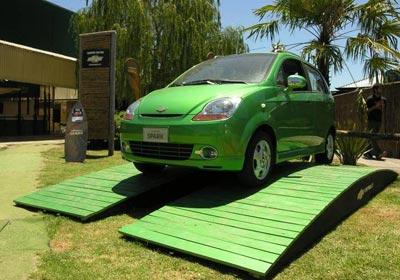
(76, 134)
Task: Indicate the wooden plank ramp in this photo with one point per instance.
(93, 193)
(261, 231)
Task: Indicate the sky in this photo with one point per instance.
(240, 13)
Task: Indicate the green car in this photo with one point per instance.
(240, 113)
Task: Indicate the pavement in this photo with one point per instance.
(23, 233)
(384, 163)
(33, 140)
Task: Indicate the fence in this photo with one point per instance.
(347, 114)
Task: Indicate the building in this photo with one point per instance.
(38, 67)
(390, 76)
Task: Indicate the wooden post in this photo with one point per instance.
(97, 84)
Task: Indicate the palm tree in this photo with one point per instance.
(376, 43)
(329, 22)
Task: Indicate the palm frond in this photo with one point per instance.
(262, 30)
(316, 51)
(377, 23)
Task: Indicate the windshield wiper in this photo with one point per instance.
(230, 82)
(177, 85)
(208, 82)
(200, 82)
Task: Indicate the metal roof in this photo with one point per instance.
(364, 83)
(29, 65)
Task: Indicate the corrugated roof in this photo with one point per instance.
(38, 50)
(29, 65)
(364, 83)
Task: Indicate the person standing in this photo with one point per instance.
(375, 105)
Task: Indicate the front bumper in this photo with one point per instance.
(224, 136)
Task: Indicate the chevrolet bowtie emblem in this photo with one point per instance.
(162, 109)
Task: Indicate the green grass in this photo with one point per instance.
(57, 169)
(364, 246)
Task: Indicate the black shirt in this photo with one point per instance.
(376, 114)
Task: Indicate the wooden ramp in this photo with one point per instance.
(263, 230)
(91, 194)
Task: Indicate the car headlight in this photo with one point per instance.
(219, 109)
(130, 112)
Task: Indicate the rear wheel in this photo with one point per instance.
(327, 156)
(259, 160)
(148, 168)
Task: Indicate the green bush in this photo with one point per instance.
(350, 149)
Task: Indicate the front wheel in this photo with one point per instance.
(259, 160)
(148, 168)
(327, 156)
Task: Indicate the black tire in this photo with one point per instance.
(148, 168)
(259, 161)
(327, 156)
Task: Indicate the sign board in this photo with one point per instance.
(95, 58)
(76, 134)
(97, 84)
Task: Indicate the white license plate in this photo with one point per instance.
(159, 135)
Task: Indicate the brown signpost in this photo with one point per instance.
(97, 84)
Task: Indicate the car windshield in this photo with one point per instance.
(244, 68)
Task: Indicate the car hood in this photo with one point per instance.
(184, 100)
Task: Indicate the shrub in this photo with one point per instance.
(350, 149)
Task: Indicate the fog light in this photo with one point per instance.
(125, 147)
(208, 153)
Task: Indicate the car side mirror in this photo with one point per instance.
(296, 81)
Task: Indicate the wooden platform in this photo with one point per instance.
(260, 231)
(91, 194)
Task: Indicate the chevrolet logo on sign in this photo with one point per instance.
(95, 58)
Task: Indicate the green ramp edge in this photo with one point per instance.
(91, 194)
(261, 231)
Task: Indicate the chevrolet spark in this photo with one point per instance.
(242, 113)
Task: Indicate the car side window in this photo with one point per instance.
(317, 83)
(281, 80)
(290, 67)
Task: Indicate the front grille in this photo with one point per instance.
(161, 150)
(161, 116)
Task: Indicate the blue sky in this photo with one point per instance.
(240, 13)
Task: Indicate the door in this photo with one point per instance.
(296, 116)
(322, 104)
